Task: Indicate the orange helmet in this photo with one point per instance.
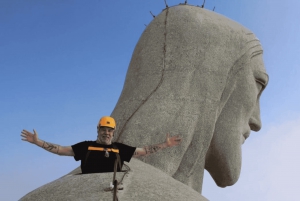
(107, 121)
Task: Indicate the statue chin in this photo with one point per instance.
(224, 168)
(224, 181)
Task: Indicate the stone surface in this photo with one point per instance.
(143, 182)
(195, 73)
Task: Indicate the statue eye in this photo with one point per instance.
(261, 79)
(260, 86)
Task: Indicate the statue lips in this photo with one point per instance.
(246, 135)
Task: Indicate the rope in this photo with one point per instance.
(115, 189)
(115, 181)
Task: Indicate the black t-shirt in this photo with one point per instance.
(96, 161)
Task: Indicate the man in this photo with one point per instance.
(99, 156)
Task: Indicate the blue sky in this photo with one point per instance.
(63, 66)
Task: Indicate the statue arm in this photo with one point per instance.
(53, 148)
(147, 150)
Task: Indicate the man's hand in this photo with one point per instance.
(172, 141)
(53, 148)
(30, 137)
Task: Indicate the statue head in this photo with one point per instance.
(198, 74)
(238, 114)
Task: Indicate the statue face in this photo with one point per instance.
(238, 117)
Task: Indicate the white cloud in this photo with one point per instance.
(284, 163)
(270, 171)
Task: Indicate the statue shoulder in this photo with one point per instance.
(143, 182)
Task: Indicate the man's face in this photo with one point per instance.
(238, 117)
(105, 135)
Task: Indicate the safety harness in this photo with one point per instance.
(117, 162)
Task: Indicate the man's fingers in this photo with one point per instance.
(178, 138)
(174, 140)
(35, 133)
(23, 135)
(26, 132)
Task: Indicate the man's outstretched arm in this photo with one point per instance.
(147, 150)
(53, 148)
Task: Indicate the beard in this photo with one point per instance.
(104, 139)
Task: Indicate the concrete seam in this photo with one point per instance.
(160, 82)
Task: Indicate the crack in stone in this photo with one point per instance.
(160, 82)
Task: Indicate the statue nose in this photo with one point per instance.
(255, 121)
(255, 124)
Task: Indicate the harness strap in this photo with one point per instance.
(115, 150)
(117, 162)
(115, 182)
